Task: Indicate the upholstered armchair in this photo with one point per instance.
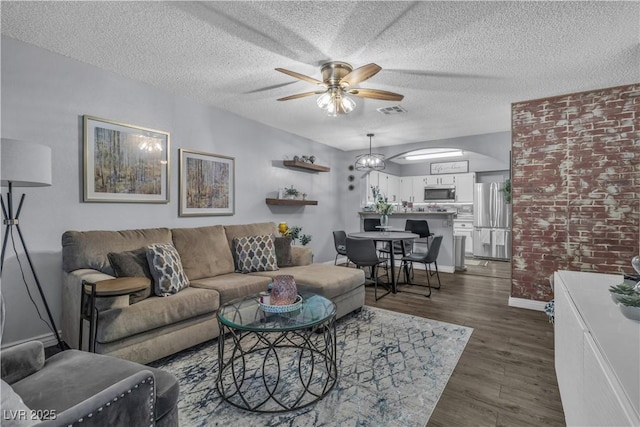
(83, 389)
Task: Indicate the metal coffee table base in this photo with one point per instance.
(276, 371)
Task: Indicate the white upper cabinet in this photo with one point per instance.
(412, 188)
(464, 187)
(419, 182)
(435, 180)
(393, 188)
(389, 186)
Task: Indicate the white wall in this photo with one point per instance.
(44, 97)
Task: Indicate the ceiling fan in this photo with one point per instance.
(338, 81)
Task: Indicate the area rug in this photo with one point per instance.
(392, 370)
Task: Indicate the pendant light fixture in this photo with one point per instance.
(371, 161)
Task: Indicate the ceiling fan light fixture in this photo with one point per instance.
(334, 102)
(370, 161)
(324, 100)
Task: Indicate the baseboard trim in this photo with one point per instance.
(49, 340)
(529, 304)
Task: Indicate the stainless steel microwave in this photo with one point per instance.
(440, 194)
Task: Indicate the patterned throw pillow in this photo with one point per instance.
(166, 269)
(255, 253)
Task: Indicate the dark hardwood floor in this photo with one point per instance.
(506, 375)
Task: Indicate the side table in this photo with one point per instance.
(103, 289)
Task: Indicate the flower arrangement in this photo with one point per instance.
(381, 207)
(294, 231)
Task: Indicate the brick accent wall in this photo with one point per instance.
(575, 186)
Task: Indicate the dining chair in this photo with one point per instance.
(397, 248)
(363, 253)
(371, 224)
(421, 228)
(340, 243)
(428, 258)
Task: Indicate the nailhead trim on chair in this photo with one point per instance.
(115, 399)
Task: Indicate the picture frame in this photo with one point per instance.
(124, 163)
(207, 184)
(442, 168)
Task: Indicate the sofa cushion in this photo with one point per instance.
(283, 250)
(204, 251)
(132, 264)
(327, 280)
(166, 269)
(155, 312)
(89, 249)
(255, 253)
(54, 387)
(233, 285)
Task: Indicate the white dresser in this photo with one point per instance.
(597, 352)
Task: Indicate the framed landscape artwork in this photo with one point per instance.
(125, 163)
(207, 185)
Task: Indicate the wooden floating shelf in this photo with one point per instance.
(305, 165)
(291, 202)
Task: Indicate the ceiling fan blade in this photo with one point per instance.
(300, 95)
(376, 94)
(301, 77)
(360, 74)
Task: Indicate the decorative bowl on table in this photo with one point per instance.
(282, 308)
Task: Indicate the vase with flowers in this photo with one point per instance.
(382, 206)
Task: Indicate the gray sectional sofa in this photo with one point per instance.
(156, 326)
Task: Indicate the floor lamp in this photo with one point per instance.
(24, 164)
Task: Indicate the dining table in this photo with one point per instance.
(390, 236)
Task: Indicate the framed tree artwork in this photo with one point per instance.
(125, 163)
(207, 184)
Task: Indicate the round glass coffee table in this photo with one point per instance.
(276, 362)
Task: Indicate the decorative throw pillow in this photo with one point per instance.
(166, 269)
(132, 264)
(255, 253)
(283, 250)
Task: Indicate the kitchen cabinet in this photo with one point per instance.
(412, 188)
(373, 180)
(597, 351)
(388, 184)
(435, 180)
(464, 228)
(406, 189)
(464, 187)
(392, 188)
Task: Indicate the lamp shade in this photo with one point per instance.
(25, 164)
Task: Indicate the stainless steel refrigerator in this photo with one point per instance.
(491, 222)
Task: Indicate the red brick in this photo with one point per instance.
(576, 179)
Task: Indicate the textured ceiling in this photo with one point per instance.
(459, 64)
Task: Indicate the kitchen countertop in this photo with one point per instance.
(395, 213)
